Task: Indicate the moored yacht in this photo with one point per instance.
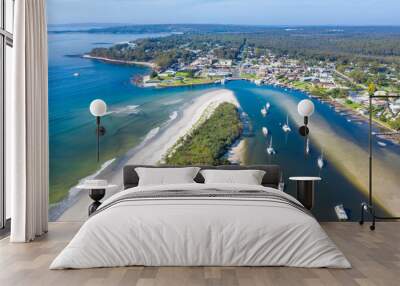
(286, 127)
(382, 144)
(264, 111)
(265, 131)
(270, 149)
(320, 161)
(308, 146)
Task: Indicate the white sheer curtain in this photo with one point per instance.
(27, 124)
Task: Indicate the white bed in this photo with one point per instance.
(207, 230)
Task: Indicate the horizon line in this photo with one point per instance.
(219, 24)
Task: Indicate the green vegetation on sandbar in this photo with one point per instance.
(185, 82)
(209, 142)
(249, 76)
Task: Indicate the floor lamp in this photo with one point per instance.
(369, 207)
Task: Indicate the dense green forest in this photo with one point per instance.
(207, 144)
(381, 45)
(332, 47)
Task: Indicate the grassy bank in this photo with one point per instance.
(209, 142)
(185, 82)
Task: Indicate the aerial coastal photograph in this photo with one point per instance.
(219, 91)
(200, 142)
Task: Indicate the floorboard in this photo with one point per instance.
(375, 257)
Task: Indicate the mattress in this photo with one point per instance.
(201, 225)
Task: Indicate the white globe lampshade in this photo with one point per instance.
(98, 107)
(306, 108)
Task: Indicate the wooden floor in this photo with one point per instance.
(375, 257)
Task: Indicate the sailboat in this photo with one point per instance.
(270, 149)
(308, 147)
(286, 127)
(320, 161)
(264, 111)
(265, 131)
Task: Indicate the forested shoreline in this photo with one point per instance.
(207, 144)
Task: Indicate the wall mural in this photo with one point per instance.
(217, 94)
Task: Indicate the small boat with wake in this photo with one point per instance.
(270, 149)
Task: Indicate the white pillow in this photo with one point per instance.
(166, 176)
(244, 177)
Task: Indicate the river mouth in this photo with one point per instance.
(137, 111)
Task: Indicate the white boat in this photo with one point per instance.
(268, 105)
(265, 131)
(264, 111)
(341, 212)
(258, 82)
(76, 74)
(320, 161)
(286, 127)
(382, 144)
(308, 146)
(270, 149)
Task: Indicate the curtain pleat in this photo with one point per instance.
(28, 121)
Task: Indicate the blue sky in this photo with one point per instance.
(258, 12)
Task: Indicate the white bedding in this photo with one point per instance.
(192, 231)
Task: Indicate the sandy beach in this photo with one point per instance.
(237, 154)
(155, 146)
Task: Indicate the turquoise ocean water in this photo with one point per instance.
(135, 112)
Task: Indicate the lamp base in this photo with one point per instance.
(96, 195)
(370, 209)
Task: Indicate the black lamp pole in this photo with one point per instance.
(100, 131)
(98, 137)
(304, 131)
